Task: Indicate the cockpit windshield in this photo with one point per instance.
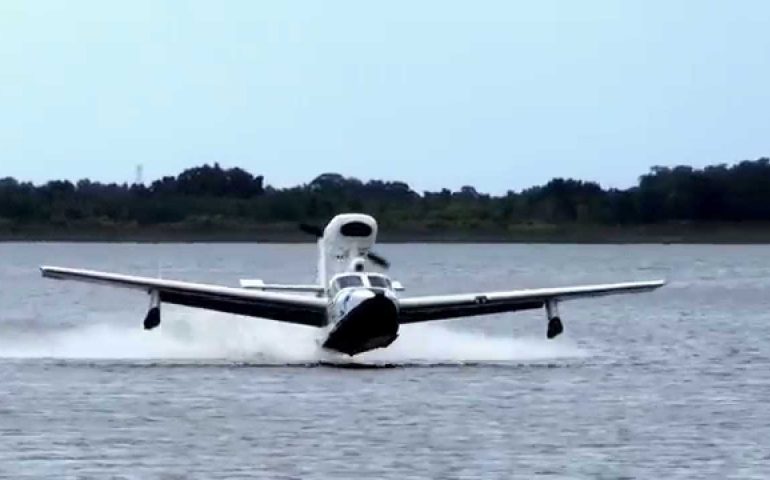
(378, 281)
(349, 281)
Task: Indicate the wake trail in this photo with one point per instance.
(206, 336)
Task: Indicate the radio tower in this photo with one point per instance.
(139, 180)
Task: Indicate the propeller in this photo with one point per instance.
(318, 232)
(378, 259)
(314, 230)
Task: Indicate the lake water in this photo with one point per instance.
(673, 384)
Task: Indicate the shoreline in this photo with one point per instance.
(737, 234)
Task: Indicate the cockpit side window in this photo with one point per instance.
(379, 282)
(349, 281)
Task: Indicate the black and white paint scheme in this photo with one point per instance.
(354, 304)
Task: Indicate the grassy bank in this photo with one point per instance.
(720, 233)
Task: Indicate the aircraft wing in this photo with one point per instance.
(300, 309)
(422, 309)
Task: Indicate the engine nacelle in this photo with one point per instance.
(346, 239)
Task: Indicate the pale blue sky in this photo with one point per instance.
(500, 95)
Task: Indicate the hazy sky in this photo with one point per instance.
(500, 95)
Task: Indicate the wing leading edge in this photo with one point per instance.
(422, 309)
(299, 309)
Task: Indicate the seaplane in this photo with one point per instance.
(355, 306)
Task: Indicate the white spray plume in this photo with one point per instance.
(202, 336)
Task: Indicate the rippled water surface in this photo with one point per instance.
(673, 384)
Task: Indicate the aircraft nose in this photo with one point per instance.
(376, 299)
(371, 323)
(361, 296)
(381, 297)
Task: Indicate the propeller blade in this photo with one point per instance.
(314, 230)
(378, 260)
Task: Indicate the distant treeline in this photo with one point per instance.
(211, 196)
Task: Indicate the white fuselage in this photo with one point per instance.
(363, 308)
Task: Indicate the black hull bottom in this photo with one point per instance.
(372, 324)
